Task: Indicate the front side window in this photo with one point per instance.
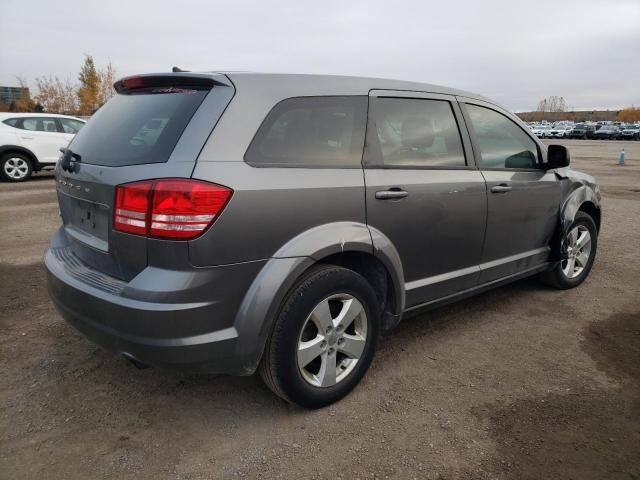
(311, 132)
(71, 126)
(414, 133)
(502, 143)
(49, 125)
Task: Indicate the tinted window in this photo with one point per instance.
(414, 133)
(11, 121)
(503, 144)
(137, 128)
(311, 132)
(71, 126)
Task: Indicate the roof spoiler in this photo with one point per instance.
(165, 80)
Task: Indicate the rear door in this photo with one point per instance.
(153, 128)
(423, 191)
(42, 137)
(523, 199)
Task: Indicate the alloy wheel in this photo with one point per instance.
(578, 251)
(16, 168)
(332, 340)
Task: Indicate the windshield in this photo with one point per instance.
(137, 128)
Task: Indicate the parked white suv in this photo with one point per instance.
(30, 142)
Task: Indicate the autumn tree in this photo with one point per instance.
(628, 115)
(56, 95)
(89, 90)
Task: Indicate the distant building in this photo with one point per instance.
(11, 94)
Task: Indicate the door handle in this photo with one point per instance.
(502, 188)
(27, 138)
(391, 194)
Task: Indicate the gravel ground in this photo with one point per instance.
(519, 383)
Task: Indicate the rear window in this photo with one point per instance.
(137, 128)
(11, 121)
(311, 132)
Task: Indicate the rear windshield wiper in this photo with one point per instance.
(67, 157)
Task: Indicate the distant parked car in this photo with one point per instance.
(582, 130)
(541, 131)
(630, 132)
(607, 132)
(30, 142)
(560, 131)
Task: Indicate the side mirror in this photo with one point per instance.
(557, 156)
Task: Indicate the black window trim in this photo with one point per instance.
(476, 147)
(308, 166)
(374, 163)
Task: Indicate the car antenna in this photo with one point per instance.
(178, 69)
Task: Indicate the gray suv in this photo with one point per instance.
(234, 222)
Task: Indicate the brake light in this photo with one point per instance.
(174, 209)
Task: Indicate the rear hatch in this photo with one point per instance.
(153, 128)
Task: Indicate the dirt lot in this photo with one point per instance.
(522, 382)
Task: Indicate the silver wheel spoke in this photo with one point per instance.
(352, 346)
(309, 351)
(583, 239)
(570, 267)
(327, 373)
(350, 310)
(582, 259)
(573, 237)
(321, 315)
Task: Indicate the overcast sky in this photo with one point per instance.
(513, 51)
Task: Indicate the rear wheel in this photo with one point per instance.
(15, 167)
(324, 338)
(578, 250)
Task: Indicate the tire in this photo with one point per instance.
(15, 167)
(325, 289)
(564, 276)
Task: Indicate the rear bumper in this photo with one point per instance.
(182, 319)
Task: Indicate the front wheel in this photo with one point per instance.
(324, 339)
(578, 250)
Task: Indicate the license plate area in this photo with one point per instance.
(88, 222)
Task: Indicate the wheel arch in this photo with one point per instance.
(25, 151)
(583, 198)
(348, 244)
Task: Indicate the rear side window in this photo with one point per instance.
(414, 133)
(311, 132)
(11, 121)
(137, 128)
(39, 124)
(503, 144)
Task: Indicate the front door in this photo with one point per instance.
(423, 191)
(523, 199)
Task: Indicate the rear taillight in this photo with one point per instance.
(175, 209)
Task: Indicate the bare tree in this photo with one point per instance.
(552, 104)
(56, 95)
(107, 78)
